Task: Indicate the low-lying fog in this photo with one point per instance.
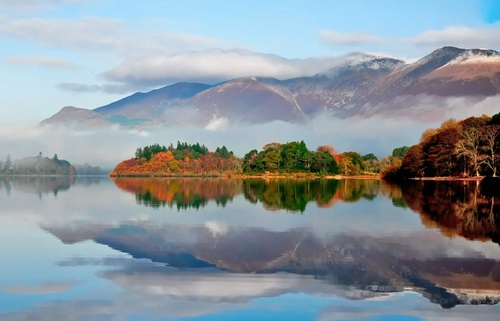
(378, 134)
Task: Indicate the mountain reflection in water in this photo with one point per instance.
(369, 265)
(222, 249)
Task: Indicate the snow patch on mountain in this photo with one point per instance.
(477, 57)
(364, 63)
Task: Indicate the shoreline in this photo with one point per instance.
(448, 178)
(295, 176)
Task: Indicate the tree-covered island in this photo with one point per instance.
(470, 147)
(40, 165)
(289, 159)
(36, 165)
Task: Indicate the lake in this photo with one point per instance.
(215, 249)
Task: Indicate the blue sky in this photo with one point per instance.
(87, 53)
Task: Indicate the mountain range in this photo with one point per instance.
(362, 85)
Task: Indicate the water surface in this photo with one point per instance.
(213, 249)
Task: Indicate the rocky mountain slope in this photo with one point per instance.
(360, 86)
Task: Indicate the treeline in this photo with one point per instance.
(470, 147)
(293, 157)
(290, 157)
(37, 165)
(181, 150)
(183, 159)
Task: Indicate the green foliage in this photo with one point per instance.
(290, 195)
(371, 163)
(181, 151)
(192, 151)
(148, 151)
(352, 163)
(399, 202)
(223, 152)
(495, 119)
(291, 157)
(324, 163)
(356, 159)
(271, 159)
(370, 157)
(400, 152)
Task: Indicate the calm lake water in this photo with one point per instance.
(192, 249)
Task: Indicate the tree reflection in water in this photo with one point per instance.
(38, 185)
(182, 193)
(456, 208)
(291, 195)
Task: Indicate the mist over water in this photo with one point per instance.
(378, 134)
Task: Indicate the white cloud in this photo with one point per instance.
(100, 34)
(216, 65)
(209, 66)
(459, 36)
(44, 61)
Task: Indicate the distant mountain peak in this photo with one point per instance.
(358, 84)
(448, 50)
(385, 63)
(74, 115)
(478, 56)
(360, 63)
(450, 53)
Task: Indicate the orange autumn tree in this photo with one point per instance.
(182, 160)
